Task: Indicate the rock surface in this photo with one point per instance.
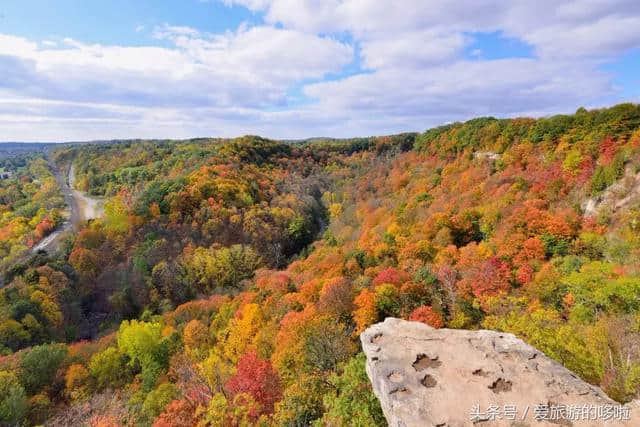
(618, 196)
(445, 377)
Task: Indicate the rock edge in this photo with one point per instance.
(446, 377)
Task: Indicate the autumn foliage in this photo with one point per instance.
(257, 378)
(232, 278)
(426, 314)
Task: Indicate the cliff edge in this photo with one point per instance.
(446, 377)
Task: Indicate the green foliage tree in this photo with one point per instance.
(39, 365)
(12, 336)
(568, 343)
(388, 301)
(302, 402)
(146, 347)
(352, 402)
(326, 344)
(598, 181)
(596, 288)
(116, 215)
(223, 268)
(109, 368)
(158, 399)
(13, 400)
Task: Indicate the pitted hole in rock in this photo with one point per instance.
(399, 391)
(395, 377)
(480, 372)
(428, 381)
(423, 362)
(376, 338)
(500, 386)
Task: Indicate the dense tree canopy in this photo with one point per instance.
(30, 206)
(228, 281)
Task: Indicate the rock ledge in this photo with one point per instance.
(446, 377)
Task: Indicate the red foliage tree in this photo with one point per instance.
(492, 278)
(525, 274)
(45, 227)
(532, 250)
(179, 413)
(391, 275)
(585, 170)
(256, 377)
(428, 315)
(277, 282)
(607, 150)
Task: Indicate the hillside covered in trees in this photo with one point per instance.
(228, 280)
(31, 205)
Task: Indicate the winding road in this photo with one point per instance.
(81, 208)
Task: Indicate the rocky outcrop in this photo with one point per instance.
(618, 196)
(487, 155)
(445, 377)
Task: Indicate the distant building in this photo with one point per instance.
(6, 175)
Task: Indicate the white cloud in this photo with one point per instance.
(253, 67)
(604, 37)
(500, 87)
(573, 28)
(412, 50)
(167, 31)
(15, 46)
(415, 72)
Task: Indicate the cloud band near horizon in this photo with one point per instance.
(324, 68)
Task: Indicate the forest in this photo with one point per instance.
(30, 205)
(228, 281)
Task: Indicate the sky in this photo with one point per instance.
(75, 70)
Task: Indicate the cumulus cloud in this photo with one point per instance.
(605, 37)
(504, 87)
(419, 75)
(570, 27)
(414, 49)
(250, 67)
(408, 69)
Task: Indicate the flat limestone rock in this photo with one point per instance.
(447, 377)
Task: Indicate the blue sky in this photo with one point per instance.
(123, 22)
(81, 70)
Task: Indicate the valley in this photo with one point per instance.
(228, 280)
